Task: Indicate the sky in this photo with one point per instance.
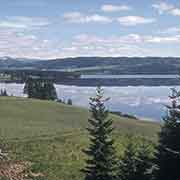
(50, 29)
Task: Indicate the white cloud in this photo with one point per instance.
(85, 39)
(19, 44)
(171, 30)
(21, 22)
(114, 8)
(92, 45)
(28, 45)
(175, 12)
(77, 17)
(127, 45)
(164, 7)
(134, 20)
(167, 39)
(7, 24)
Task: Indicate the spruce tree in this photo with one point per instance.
(101, 153)
(69, 102)
(127, 165)
(136, 164)
(3, 92)
(168, 152)
(144, 161)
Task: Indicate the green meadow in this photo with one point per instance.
(52, 135)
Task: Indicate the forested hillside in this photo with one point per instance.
(106, 65)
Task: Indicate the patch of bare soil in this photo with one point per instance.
(14, 171)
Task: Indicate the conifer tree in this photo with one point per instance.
(127, 166)
(144, 162)
(168, 154)
(3, 92)
(136, 163)
(69, 102)
(101, 153)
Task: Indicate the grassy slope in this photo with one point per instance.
(53, 135)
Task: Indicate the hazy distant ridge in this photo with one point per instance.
(102, 65)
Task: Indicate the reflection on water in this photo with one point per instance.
(141, 101)
(134, 76)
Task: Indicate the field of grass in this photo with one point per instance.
(52, 135)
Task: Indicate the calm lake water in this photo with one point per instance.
(146, 102)
(136, 76)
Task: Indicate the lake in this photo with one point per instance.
(145, 102)
(134, 76)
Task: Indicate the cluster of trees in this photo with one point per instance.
(102, 162)
(68, 102)
(40, 88)
(3, 92)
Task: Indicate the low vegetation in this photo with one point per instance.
(51, 135)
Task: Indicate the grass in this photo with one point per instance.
(52, 135)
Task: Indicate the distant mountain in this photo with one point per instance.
(99, 65)
(8, 62)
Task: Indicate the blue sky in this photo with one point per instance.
(70, 28)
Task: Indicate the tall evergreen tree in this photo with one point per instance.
(127, 165)
(136, 163)
(101, 160)
(69, 102)
(168, 153)
(144, 162)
